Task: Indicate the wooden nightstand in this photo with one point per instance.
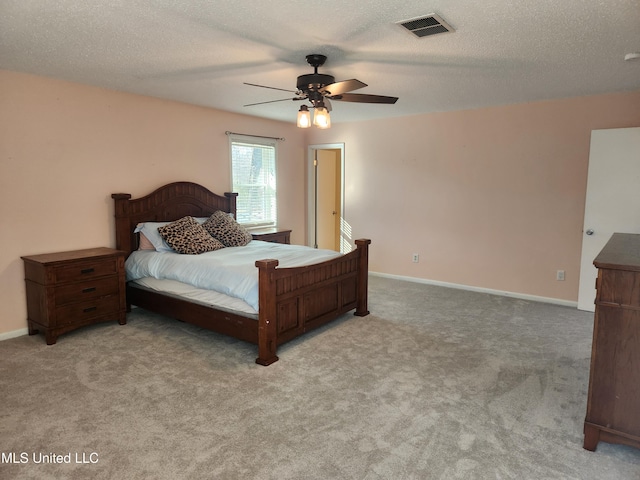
(68, 290)
(272, 234)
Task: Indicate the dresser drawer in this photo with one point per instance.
(80, 312)
(85, 270)
(619, 287)
(88, 290)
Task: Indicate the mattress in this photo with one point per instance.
(231, 271)
(201, 296)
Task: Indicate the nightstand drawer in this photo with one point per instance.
(86, 270)
(81, 292)
(80, 312)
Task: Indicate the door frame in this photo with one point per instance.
(311, 189)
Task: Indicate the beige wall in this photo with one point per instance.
(490, 198)
(64, 148)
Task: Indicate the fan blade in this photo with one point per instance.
(272, 88)
(344, 86)
(273, 101)
(364, 98)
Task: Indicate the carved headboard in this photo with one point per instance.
(166, 204)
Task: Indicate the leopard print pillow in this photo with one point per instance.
(189, 237)
(223, 227)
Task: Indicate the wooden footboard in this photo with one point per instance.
(293, 301)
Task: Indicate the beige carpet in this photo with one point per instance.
(435, 384)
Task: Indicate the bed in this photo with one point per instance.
(291, 301)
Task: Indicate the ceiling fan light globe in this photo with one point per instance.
(304, 117)
(321, 117)
(325, 124)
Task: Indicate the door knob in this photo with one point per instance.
(589, 231)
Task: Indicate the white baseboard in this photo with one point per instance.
(522, 296)
(13, 334)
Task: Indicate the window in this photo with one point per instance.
(253, 177)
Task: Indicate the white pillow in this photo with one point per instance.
(150, 230)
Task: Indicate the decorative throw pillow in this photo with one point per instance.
(224, 227)
(188, 236)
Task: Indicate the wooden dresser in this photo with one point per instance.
(613, 405)
(68, 290)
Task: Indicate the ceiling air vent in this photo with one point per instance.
(426, 26)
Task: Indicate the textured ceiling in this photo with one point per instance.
(201, 51)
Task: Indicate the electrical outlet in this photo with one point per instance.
(415, 258)
(560, 275)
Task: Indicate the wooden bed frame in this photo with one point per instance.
(292, 301)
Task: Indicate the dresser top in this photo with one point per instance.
(88, 253)
(622, 252)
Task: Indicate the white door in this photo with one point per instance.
(612, 201)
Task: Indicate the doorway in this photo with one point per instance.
(326, 196)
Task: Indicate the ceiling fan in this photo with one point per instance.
(320, 88)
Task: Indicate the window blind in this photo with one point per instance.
(253, 172)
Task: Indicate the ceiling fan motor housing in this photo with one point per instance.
(313, 81)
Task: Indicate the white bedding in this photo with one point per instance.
(231, 270)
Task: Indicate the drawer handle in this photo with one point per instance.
(89, 290)
(84, 271)
(89, 309)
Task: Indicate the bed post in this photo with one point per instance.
(123, 229)
(363, 277)
(267, 322)
(232, 196)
